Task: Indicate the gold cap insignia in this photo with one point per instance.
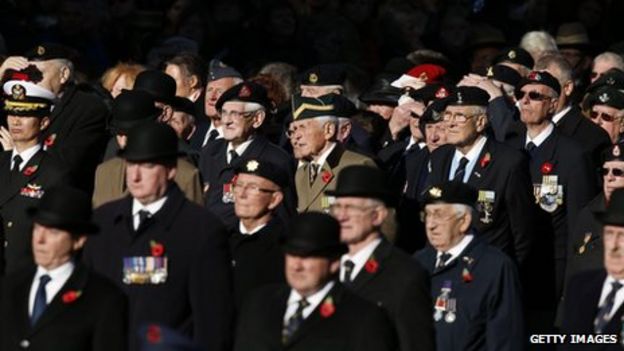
(460, 99)
(244, 92)
(512, 54)
(490, 71)
(40, 50)
(616, 151)
(313, 78)
(435, 192)
(252, 166)
(18, 92)
(604, 97)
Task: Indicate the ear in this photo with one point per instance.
(345, 129)
(276, 199)
(258, 119)
(481, 122)
(79, 243)
(466, 222)
(45, 122)
(379, 216)
(193, 82)
(568, 88)
(329, 131)
(171, 173)
(65, 74)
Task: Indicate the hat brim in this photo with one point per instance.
(387, 198)
(607, 218)
(148, 156)
(53, 220)
(117, 126)
(302, 248)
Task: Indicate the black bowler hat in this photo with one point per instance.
(540, 77)
(51, 51)
(324, 75)
(382, 93)
(469, 96)
(614, 153)
(151, 142)
(65, 208)
(265, 169)
(613, 77)
(516, 55)
(504, 74)
(314, 234)
(607, 96)
(614, 215)
(131, 108)
(363, 181)
(161, 86)
(245, 92)
(451, 193)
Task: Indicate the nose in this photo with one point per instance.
(133, 173)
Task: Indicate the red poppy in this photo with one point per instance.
(158, 249)
(71, 296)
(326, 176)
(28, 171)
(547, 167)
(49, 141)
(154, 335)
(485, 160)
(371, 265)
(327, 308)
(466, 275)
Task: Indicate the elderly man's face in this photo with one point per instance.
(463, 124)
(182, 123)
(435, 135)
(358, 218)
(55, 74)
(445, 227)
(214, 90)
(254, 196)
(309, 137)
(608, 118)
(538, 103)
(238, 121)
(53, 247)
(308, 275)
(147, 181)
(610, 180)
(613, 237)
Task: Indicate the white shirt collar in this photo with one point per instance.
(243, 230)
(323, 157)
(239, 149)
(559, 115)
(59, 277)
(456, 250)
(151, 208)
(26, 155)
(413, 141)
(539, 139)
(314, 300)
(207, 136)
(474, 152)
(359, 259)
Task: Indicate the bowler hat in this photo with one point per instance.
(161, 86)
(150, 142)
(363, 181)
(245, 92)
(65, 208)
(451, 192)
(131, 108)
(314, 234)
(614, 215)
(572, 35)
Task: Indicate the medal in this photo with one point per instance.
(228, 195)
(450, 315)
(486, 205)
(441, 303)
(549, 194)
(437, 315)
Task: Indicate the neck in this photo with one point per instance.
(465, 149)
(237, 142)
(535, 129)
(24, 145)
(328, 145)
(357, 247)
(252, 223)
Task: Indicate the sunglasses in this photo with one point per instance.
(617, 172)
(604, 116)
(533, 95)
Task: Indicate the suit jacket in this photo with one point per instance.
(488, 306)
(581, 307)
(401, 287)
(506, 174)
(77, 134)
(216, 173)
(17, 195)
(311, 196)
(110, 181)
(196, 297)
(96, 320)
(262, 319)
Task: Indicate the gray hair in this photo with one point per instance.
(461, 210)
(556, 65)
(616, 60)
(253, 106)
(538, 43)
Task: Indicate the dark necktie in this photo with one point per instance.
(312, 172)
(233, 156)
(530, 147)
(294, 322)
(143, 216)
(213, 135)
(41, 300)
(602, 318)
(461, 169)
(445, 256)
(348, 270)
(17, 161)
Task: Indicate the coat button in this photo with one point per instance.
(9, 224)
(233, 263)
(24, 344)
(6, 243)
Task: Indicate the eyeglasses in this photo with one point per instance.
(348, 208)
(236, 114)
(617, 172)
(603, 116)
(533, 95)
(435, 216)
(458, 117)
(251, 188)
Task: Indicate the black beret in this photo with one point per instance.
(613, 77)
(451, 192)
(613, 153)
(322, 75)
(469, 96)
(314, 234)
(265, 169)
(218, 70)
(50, 51)
(246, 91)
(516, 55)
(431, 92)
(504, 74)
(540, 77)
(607, 96)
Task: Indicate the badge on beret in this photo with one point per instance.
(313, 78)
(604, 97)
(460, 99)
(616, 151)
(244, 92)
(18, 92)
(535, 76)
(610, 81)
(512, 54)
(252, 166)
(435, 192)
(490, 71)
(441, 93)
(40, 50)
(424, 76)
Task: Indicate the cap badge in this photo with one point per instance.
(616, 151)
(604, 97)
(460, 99)
(441, 93)
(40, 50)
(512, 54)
(252, 166)
(18, 92)
(490, 71)
(435, 192)
(535, 76)
(610, 81)
(244, 92)
(313, 78)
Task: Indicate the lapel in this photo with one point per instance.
(28, 173)
(20, 296)
(478, 171)
(473, 251)
(324, 178)
(276, 313)
(569, 122)
(590, 295)
(76, 282)
(5, 167)
(380, 255)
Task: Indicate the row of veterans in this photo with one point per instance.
(533, 158)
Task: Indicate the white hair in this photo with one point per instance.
(616, 60)
(253, 106)
(327, 119)
(538, 43)
(461, 210)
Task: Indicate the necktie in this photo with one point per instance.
(143, 216)
(17, 161)
(442, 260)
(602, 318)
(461, 169)
(294, 322)
(530, 147)
(213, 135)
(41, 300)
(233, 156)
(348, 270)
(313, 172)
